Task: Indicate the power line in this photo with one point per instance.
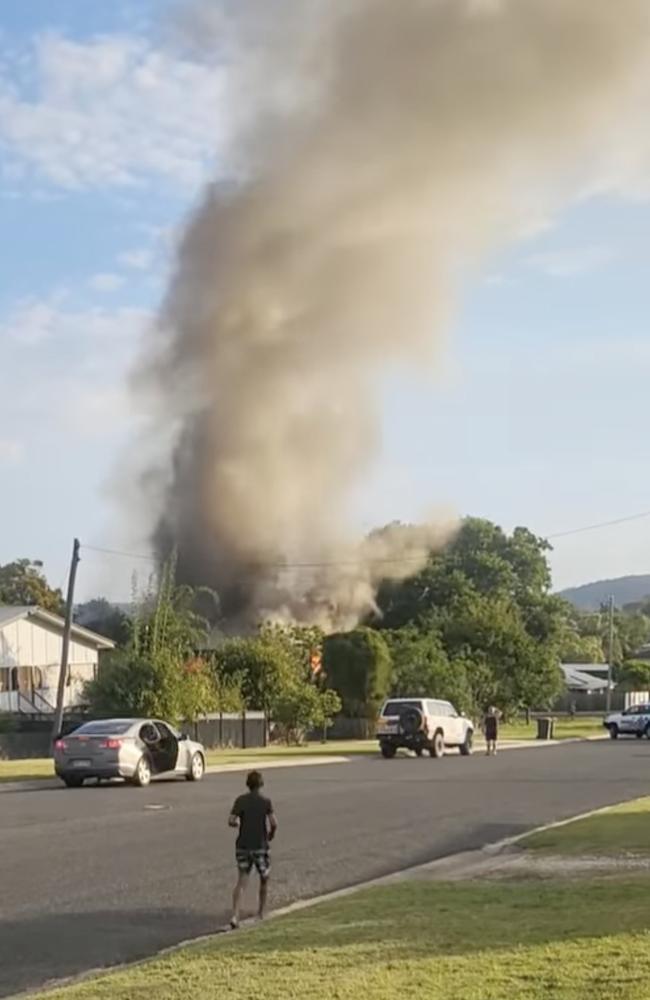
(334, 564)
(602, 524)
(118, 552)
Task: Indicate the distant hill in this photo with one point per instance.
(626, 590)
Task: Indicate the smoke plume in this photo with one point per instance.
(377, 150)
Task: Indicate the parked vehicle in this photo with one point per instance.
(136, 750)
(634, 721)
(421, 724)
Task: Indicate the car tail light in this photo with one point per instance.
(111, 744)
(60, 745)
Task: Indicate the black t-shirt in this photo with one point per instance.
(491, 727)
(252, 809)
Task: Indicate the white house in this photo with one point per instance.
(31, 642)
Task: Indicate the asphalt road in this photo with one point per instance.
(99, 876)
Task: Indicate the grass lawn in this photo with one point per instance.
(335, 748)
(26, 770)
(619, 830)
(490, 941)
(565, 728)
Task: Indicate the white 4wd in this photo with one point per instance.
(423, 724)
(634, 721)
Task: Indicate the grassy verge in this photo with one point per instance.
(565, 729)
(524, 941)
(335, 748)
(26, 770)
(623, 829)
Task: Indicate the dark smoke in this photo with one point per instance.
(378, 148)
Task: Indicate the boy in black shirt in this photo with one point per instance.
(252, 814)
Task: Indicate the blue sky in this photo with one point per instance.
(538, 416)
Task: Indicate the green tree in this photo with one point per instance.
(358, 665)
(22, 582)
(302, 706)
(132, 685)
(421, 668)
(261, 665)
(159, 672)
(487, 597)
(633, 675)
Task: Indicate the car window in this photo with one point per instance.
(149, 733)
(103, 728)
(397, 707)
(164, 730)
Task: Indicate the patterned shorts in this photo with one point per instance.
(247, 860)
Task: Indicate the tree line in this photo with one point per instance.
(478, 625)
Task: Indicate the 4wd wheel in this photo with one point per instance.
(197, 768)
(613, 732)
(467, 747)
(388, 750)
(73, 781)
(438, 746)
(142, 774)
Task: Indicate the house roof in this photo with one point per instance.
(577, 680)
(11, 612)
(589, 668)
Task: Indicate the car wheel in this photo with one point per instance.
(467, 747)
(73, 781)
(613, 732)
(388, 750)
(197, 768)
(142, 775)
(640, 734)
(438, 746)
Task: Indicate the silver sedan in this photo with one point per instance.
(136, 750)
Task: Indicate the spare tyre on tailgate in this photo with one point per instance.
(411, 720)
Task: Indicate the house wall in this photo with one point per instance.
(30, 656)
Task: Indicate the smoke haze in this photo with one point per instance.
(377, 150)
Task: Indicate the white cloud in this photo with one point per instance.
(33, 322)
(110, 111)
(572, 261)
(70, 368)
(106, 282)
(139, 259)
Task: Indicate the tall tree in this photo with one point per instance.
(23, 582)
(357, 664)
(486, 596)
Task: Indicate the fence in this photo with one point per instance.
(224, 730)
(595, 702)
(29, 738)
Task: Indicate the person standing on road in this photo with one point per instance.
(252, 815)
(491, 729)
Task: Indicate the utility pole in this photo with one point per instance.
(610, 653)
(63, 672)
